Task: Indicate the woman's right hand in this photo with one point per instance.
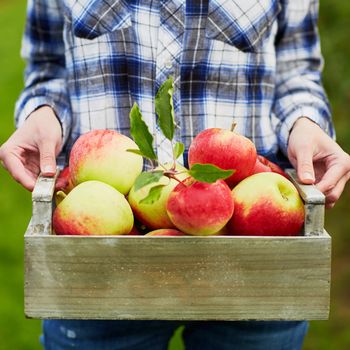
(33, 147)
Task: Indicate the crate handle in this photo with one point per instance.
(42, 198)
(314, 205)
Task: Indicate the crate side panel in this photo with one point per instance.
(178, 278)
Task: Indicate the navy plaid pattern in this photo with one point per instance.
(257, 63)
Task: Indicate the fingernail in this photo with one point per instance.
(48, 169)
(308, 176)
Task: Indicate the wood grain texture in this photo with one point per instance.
(182, 278)
(314, 205)
(309, 193)
(42, 201)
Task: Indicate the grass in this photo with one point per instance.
(18, 333)
(15, 331)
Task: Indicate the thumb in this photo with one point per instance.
(47, 158)
(304, 165)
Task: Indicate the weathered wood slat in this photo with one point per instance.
(42, 201)
(314, 206)
(227, 278)
(309, 193)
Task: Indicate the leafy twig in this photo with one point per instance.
(144, 139)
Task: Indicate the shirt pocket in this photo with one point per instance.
(90, 19)
(241, 23)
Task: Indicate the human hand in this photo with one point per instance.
(33, 147)
(318, 159)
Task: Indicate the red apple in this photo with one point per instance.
(165, 232)
(93, 208)
(64, 181)
(225, 149)
(264, 165)
(102, 155)
(223, 232)
(64, 185)
(135, 232)
(266, 204)
(200, 208)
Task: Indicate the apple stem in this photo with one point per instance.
(179, 181)
(174, 157)
(60, 196)
(171, 174)
(233, 126)
(163, 166)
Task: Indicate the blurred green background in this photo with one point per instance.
(18, 333)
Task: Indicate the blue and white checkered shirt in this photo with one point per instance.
(255, 62)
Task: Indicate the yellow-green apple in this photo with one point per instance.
(102, 155)
(264, 165)
(166, 232)
(63, 185)
(266, 204)
(155, 216)
(200, 208)
(93, 208)
(226, 149)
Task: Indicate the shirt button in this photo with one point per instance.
(168, 64)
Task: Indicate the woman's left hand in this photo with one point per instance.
(318, 159)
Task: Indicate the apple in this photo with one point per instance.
(102, 155)
(200, 208)
(64, 185)
(155, 216)
(135, 231)
(64, 182)
(266, 204)
(226, 149)
(263, 165)
(93, 208)
(165, 232)
(223, 232)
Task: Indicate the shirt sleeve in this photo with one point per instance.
(45, 73)
(299, 91)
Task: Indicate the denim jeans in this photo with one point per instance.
(155, 335)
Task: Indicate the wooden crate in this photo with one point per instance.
(176, 278)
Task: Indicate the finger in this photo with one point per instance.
(330, 205)
(17, 170)
(3, 164)
(334, 194)
(32, 168)
(47, 150)
(304, 164)
(331, 178)
(31, 162)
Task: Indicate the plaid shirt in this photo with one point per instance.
(255, 62)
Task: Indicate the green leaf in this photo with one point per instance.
(179, 148)
(165, 108)
(209, 173)
(140, 133)
(153, 195)
(146, 178)
(136, 151)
